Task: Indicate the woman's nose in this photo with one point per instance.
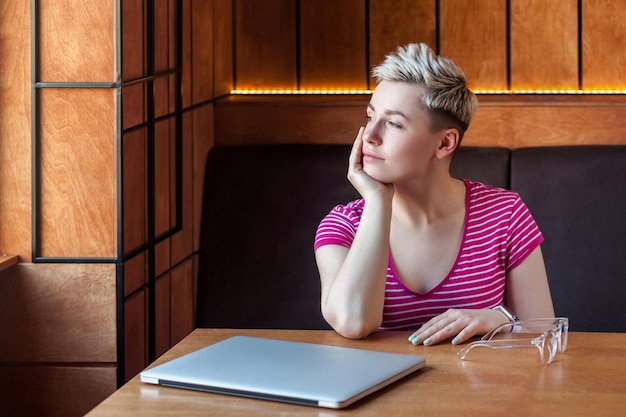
(371, 134)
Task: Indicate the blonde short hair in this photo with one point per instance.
(444, 93)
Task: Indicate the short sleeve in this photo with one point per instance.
(524, 235)
(340, 225)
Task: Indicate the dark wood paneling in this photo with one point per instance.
(58, 313)
(53, 391)
(186, 53)
(163, 186)
(473, 35)
(333, 49)
(133, 46)
(135, 106)
(135, 189)
(162, 314)
(90, 54)
(182, 242)
(135, 274)
(544, 55)
(203, 139)
(164, 33)
(604, 31)
(182, 301)
(265, 38)
(202, 50)
(164, 95)
(135, 334)
(408, 21)
(223, 48)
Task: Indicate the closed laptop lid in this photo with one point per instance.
(295, 372)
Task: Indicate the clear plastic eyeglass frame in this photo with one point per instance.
(553, 337)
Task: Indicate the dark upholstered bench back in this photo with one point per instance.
(577, 195)
(262, 205)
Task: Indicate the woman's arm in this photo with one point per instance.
(527, 290)
(353, 280)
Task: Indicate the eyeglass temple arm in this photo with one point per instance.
(497, 330)
(495, 344)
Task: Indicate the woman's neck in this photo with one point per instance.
(428, 201)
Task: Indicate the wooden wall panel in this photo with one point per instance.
(202, 50)
(76, 41)
(77, 157)
(265, 44)
(203, 140)
(164, 35)
(135, 189)
(223, 71)
(604, 31)
(544, 55)
(163, 177)
(135, 274)
(134, 104)
(15, 129)
(53, 391)
(333, 44)
(182, 301)
(547, 125)
(164, 95)
(311, 120)
(186, 53)
(163, 312)
(408, 21)
(293, 121)
(133, 45)
(473, 35)
(182, 242)
(135, 334)
(58, 313)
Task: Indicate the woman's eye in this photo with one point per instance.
(394, 124)
(369, 118)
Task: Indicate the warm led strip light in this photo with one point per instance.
(316, 91)
(477, 91)
(550, 91)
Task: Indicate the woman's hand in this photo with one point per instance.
(360, 180)
(457, 325)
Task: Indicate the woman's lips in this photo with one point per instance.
(368, 157)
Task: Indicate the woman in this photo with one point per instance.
(421, 249)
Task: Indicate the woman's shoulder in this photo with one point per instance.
(484, 191)
(351, 208)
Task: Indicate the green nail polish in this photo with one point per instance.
(427, 341)
(455, 341)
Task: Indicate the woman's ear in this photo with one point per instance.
(449, 142)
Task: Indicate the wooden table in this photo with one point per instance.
(587, 380)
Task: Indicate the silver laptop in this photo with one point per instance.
(294, 372)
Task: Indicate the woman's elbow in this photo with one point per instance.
(352, 328)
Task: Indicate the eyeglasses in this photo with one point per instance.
(559, 324)
(552, 337)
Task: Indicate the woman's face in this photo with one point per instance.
(397, 142)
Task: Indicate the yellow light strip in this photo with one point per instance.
(292, 92)
(477, 91)
(554, 91)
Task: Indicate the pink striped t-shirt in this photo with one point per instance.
(498, 234)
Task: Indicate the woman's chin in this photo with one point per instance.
(376, 174)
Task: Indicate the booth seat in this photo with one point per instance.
(262, 205)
